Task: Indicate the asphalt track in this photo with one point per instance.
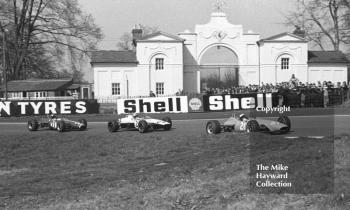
(315, 126)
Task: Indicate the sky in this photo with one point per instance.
(116, 17)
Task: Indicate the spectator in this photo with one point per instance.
(151, 94)
(302, 99)
(280, 100)
(325, 97)
(293, 82)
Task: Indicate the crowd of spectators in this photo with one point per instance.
(294, 92)
(294, 85)
(290, 93)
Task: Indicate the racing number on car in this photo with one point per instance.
(53, 124)
(243, 126)
(137, 124)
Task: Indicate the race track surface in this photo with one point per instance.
(129, 170)
(324, 125)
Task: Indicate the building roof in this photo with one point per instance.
(173, 37)
(112, 56)
(74, 86)
(274, 37)
(37, 85)
(327, 57)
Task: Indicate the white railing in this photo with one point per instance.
(107, 100)
(40, 98)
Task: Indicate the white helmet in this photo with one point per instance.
(242, 116)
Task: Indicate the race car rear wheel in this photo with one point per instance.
(167, 127)
(61, 126)
(285, 120)
(213, 127)
(84, 122)
(143, 126)
(113, 126)
(252, 126)
(33, 125)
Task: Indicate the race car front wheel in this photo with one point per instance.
(61, 126)
(252, 126)
(143, 126)
(113, 126)
(285, 120)
(33, 125)
(84, 126)
(213, 127)
(167, 127)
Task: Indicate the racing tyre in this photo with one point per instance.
(61, 126)
(252, 126)
(84, 122)
(113, 126)
(167, 127)
(213, 127)
(33, 125)
(143, 126)
(285, 120)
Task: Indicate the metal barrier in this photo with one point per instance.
(111, 100)
(312, 98)
(54, 98)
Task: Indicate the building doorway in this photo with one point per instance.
(219, 68)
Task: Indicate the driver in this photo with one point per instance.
(243, 117)
(244, 120)
(53, 116)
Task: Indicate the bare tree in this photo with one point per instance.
(125, 40)
(230, 78)
(212, 80)
(54, 26)
(326, 22)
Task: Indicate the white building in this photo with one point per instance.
(214, 52)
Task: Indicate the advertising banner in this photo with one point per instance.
(236, 101)
(29, 108)
(175, 104)
(195, 103)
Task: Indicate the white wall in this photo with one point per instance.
(106, 74)
(171, 76)
(257, 62)
(328, 72)
(219, 32)
(270, 61)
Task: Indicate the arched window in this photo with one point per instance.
(284, 62)
(158, 62)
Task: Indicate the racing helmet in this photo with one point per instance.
(242, 116)
(53, 116)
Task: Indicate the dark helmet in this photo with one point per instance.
(242, 116)
(53, 116)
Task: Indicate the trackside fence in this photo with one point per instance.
(177, 103)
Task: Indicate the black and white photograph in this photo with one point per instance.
(174, 104)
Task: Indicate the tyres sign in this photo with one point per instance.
(236, 101)
(176, 104)
(28, 108)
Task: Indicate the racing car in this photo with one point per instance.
(245, 124)
(140, 122)
(57, 123)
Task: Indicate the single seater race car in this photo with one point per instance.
(57, 123)
(245, 124)
(140, 122)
